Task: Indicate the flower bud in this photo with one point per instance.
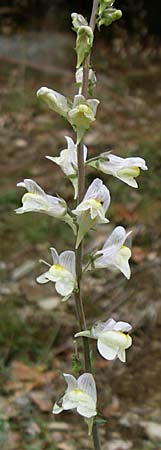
(57, 102)
(78, 21)
(83, 43)
(109, 15)
(105, 4)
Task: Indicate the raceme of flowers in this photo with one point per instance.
(112, 338)
(61, 272)
(91, 211)
(80, 395)
(36, 200)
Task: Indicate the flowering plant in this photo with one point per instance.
(67, 269)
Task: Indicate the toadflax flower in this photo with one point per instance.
(57, 102)
(68, 162)
(37, 200)
(82, 114)
(80, 395)
(61, 272)
(114, 254)
(112, 338)
(92, 209)
(125, 169)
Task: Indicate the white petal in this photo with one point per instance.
(136, 162)
(128, 180)
(122, 326)
(34, 202)
(42, 278)
(70, 401)
(86, 383)
(77, 100)
(85, 151)
(67, 260)
(121, 261)
(65, 286)
(57, 206)
(87, 409)
(19, 210)
(57, 409)
(122, 355)
(31, 187)
(115, 339)
(106, 351)
(71, 382)
(116, 239)
(93, 103)
(109, 324)
(85, 333)
(97, 329)
(94, 188)
(55, 256)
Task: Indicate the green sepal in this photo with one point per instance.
(89, 423)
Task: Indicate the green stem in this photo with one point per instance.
(79, 251)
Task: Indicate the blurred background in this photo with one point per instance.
(37, 49)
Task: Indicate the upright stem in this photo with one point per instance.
(79, 251)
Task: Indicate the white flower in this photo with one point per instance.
(125, 169)
(80, 395)
(57, 102)
(114, 254)
(68, 162)
(92, 209)
(82, 114)
(37, 200)
(61, 272)
(112, 338)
